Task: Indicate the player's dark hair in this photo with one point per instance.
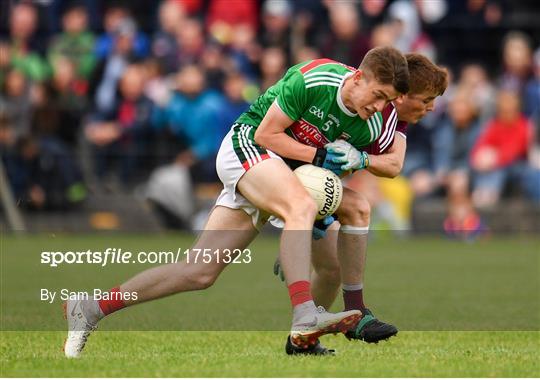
(425, 76)
(388, 66)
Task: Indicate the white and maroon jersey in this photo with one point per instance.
(391, 126)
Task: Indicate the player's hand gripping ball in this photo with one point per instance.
(324, 187)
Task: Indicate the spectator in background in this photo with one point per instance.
(216, 64)
(408, 29)
(120, 137)
(7, 147)
(244, 51)
(24, 51)
(276, 24)
(5, 61)
(308, 23)
(115, 16)
(224, 16)
(273, 65)
(532, 110)
(157, 86)
(191, 42)
(346, 43)
(453, 141)
(235, 103)
(473, 76)
(192, 116)
(418, 165)
(531, 97)
(431, 12)
(15, 101)
(60, 104)
(111, 68)
(517, 62)
(165, 47)
(500, 152)
(193, 8)
(305, 53)
(75, 42)
(383, 35)
(46, 176)
(372, 13)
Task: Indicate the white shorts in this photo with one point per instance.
(238, 153)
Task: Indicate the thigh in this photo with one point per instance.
(226, 234)
(271, 186)
(366, 183)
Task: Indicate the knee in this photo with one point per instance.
(202, 279)
(356, 212)
(300, 207)
(205, 281)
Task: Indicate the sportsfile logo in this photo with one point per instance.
(120, 256)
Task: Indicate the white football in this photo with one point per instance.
(324, 187)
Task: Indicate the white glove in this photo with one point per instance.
(348, 155)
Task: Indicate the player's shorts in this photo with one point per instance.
(238, 153)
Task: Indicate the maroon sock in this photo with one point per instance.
(354, 299)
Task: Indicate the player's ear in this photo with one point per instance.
(358, 74)
(400, 99)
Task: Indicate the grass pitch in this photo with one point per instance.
(260, 354)
(480, 303)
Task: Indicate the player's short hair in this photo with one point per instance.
(425, 76)
(388, 66)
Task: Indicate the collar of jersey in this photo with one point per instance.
(340, 101)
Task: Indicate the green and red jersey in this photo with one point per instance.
(310, 94)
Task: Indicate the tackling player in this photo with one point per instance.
(300, 117)
(386, 158)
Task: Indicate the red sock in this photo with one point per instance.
(113, 302)
(300, 292)
(354, 299)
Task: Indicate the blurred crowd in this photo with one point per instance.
(100, 96)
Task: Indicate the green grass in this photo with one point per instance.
(260, 354)
(463, 310)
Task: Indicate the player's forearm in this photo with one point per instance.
(285, 146)
(385, 165)
(271, 135)
(390, 163)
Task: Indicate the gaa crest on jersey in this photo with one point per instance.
(308, 134)
(314, 110)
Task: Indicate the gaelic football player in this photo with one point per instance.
(299, 118)
(386, 158)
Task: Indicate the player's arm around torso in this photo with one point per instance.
(390, 163)
(271, 135)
